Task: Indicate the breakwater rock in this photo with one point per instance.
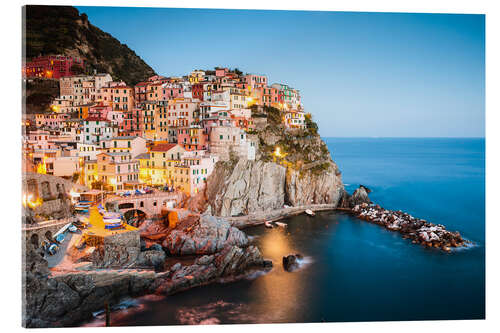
(418, 230)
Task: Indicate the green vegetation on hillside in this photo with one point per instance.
(63, 30)
(298, 148)
(38, 94)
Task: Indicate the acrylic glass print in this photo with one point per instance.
(199, 166)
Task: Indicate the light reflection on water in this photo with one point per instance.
(278, 295)
(352, 271)
(360, 271)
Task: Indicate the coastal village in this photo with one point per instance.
(108, 170)
(135, 190)
(164, 132)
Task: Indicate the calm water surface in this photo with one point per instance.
(353, 270)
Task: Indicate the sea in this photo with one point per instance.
(353, 270)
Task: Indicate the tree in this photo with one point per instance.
(77, 69)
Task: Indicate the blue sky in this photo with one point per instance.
(360, 74)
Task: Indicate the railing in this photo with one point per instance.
(144, 196)
(48, 223)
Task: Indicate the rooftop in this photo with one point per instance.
(163, 146)
(143, 156)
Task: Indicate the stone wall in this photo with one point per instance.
(117, 251)
(46, 186)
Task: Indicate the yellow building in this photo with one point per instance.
(145, 169)
(90, 172)
(158, 166)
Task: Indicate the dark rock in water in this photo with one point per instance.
(366, 188)
(360, 196)
(267, 263)
(290, 263)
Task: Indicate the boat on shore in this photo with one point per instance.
(281, 224)
(268, 224)
(309, 212)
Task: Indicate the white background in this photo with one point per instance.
(10, 158)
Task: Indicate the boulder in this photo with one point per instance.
(153, 258)
(210, 236)
(290, 263)
(360, 196)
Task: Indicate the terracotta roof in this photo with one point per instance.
(163, 146)
(95, 118)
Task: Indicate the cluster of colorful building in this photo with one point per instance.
(166, 131)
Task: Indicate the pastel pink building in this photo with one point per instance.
(220, 72)
(254, 80)
(171, 91)
(51, 120)
(99, 110)
(192, 138)
(130, 125)
(181, 112)
(118, 95)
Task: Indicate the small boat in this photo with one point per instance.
(309, 212)
(268, 224)
(281, 225)
(60, 238)
(53, 248)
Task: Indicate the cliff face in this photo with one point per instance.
(246, 187)
(324, 187)
(63, 30)
(303, 174)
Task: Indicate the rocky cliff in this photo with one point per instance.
(302, 173)
(67, 296)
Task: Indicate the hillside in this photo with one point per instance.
(38, 94)
(63, 30)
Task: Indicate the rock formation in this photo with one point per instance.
(290, 262)
(65, 298)
(247, 187)
(305, 174)
(359, 197)
(307, 187)
(209, 236)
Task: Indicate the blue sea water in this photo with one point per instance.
(354, 270)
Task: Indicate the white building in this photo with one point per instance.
(227, 139)
(97, 129)
(134, 145)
